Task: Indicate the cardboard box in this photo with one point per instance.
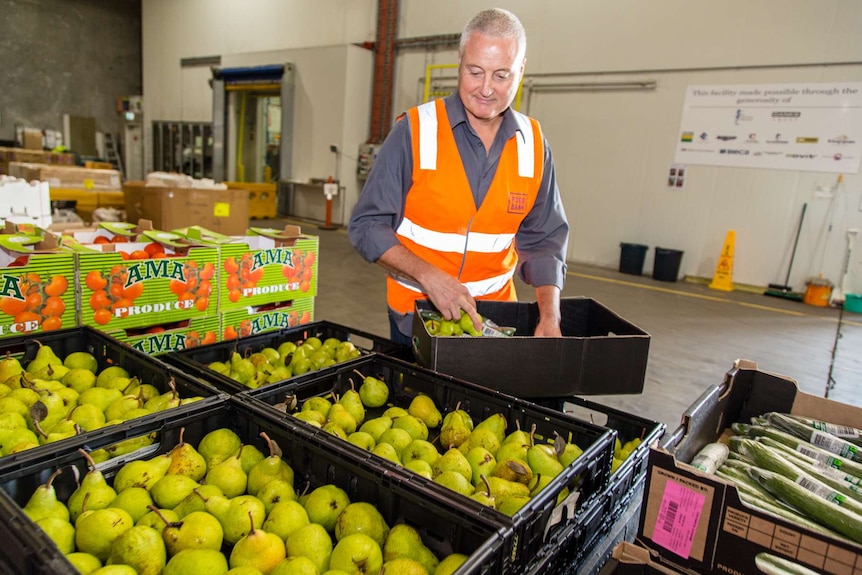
(67, 176)
(156, 340)
(25, 202)
(223, 211)
(37, 285)
(35, 156)
(270, 266)
(32, 139)
(722, 534)
(246, 321)
(599, 353)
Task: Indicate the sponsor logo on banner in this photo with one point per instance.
(841, 140)
(807, 140)
(687, 137)
(703, 136)
(731, 151)
(784, 116)
(801, 156)
(725, 138)
(741, 116)
(778, 140)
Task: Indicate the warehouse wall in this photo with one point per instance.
(613, 148)
(67, 57)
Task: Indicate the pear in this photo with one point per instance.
(196, 500)
(44, 503)
(79, 379)
(454, 481)
(9, 367)
(450, 564)
(334, 429)
(373, 391)
(357, 553)
(167, 400)
(454, 430)
(141, 473)
(325, 504)
(268, 469)
(404, 542)
(481, 437)
(395, 412)
(421, 467)
(387, 451)
(512, 504)
(420, 449)
(285, 349)
(186, 460)
(467, 325)
(543, 461)
(481, 463)
(44, 357)
(88, 417)
(513, 470)
(136, 501)
(274, 492)
(94, 489)
(228, 476)
(11, 420)
(100, 397)
(375, 427)
(501, 488)
(362, 440)
(95, 531)
(11, 404)
(140, 547)
(218, 445)
(403, 566)
(318, 404)
(483, 494)
(209, 561)
(105, 376)
(412, 425)
(61, 532)
(83, 562)
(232, 514)
(361, 517)
(298, 565)
(82, 360)
(118, 408)
(170, 490)
(496, 423)
(398, 438)
(249, 456)
(197, 530)
(158, 519)
(311, 417)
(422, 406)
(340, 416)
(285, 517)
(454, 460)
(257, 549)
(352, 402)
(311, 541)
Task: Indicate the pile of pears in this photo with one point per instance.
(223, 507)
(482, 462)
(275, 364)
(50, 399)
(463, 326)
(623, 451)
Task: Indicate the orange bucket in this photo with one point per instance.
(817, 292)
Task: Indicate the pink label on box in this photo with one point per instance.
(677, 519)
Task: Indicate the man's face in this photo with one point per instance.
(489, 71)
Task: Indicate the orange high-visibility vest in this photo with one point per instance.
(441, 224)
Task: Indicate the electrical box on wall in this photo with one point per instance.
(365, 159)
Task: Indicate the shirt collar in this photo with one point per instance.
(457, 115)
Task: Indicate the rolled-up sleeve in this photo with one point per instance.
(542, 241)
(381, 204)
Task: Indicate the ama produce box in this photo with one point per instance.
(267, 266)
(139, 277)
(37, 289)
(172, 336)
(695, 521)
(246, 321)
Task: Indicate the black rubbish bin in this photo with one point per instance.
(632, 258)
(666, 265)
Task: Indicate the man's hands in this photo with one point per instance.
(548, 299)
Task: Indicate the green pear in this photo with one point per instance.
(257, 549)
(467, 325)
(421, 467)
(398, 438)
(496, 423)
(373, 392)
(412, 425)
(105, 376)
(119, 407)
(340, 416)
(403, 566)
(311, 417)
(311, 541)
(44, 503)
(543, 461)
(284, 518)
(318, 404)
(420, 449)
(361, 517)
(362, 440)
(454, 460)
(512, 504)
(233, 515)
(79, 379)
(197, 530)
(141, 473)
(88, 417)
(85, 563)
(95, 531)
(249, 456)
(298, 565)
(334, 429)
(449, 564)
(99, 396)
(513, 470)
(405, 542)
(285, 349)
(15, 440)
(483, 494)
(187, 561)
(375, 427)
(82, 360)
(269, 468)
(422, 406)
(454, 481)
(387, 451)
(140, 547)
(158, 519)
(228, 476)
(44, 357)
(170, 490)
(135, 501)
(502, 488)
(93, 489)
(61, 532)
(481, 463)
(352, 402)
(11, 420)
(481, 437)
(357, 553)
(186, 460)
(196, 500)
(571, 451)
(325, 504)
(218, 445)
(395, 412)
(454, 430)
(9, 367)
(274, 492)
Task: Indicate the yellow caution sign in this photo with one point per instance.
(723, 278)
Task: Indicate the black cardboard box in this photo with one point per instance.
(599, 353)
(722, 534)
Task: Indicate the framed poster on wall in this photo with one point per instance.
(813, 127)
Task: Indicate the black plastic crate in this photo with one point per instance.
(445, 527)
(588, 474)
(107, 351)
(631, 472)
(195, 360)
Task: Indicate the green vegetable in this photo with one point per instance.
(816, 437)
(845, 432)
(816, 508)
(805, 448)
(774, 565)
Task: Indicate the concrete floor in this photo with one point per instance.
(696, 333)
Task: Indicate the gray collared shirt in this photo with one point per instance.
(542, 239)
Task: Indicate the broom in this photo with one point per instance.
(785, 290)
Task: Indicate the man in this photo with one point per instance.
(463, 192)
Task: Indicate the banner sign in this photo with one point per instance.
(813, 127)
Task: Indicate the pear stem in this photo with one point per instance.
(53, 476)
(532, 433)
(84, 502)
(251, 522)
(180, 439)
(90, 463)
(487, 484)
(158, 513)
(39, 429)
(359, 373)
(274, 449)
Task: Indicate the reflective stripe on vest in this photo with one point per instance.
(455, 243)
(476, 289)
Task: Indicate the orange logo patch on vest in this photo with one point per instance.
(517, 203)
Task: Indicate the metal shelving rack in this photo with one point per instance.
(183, 147)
